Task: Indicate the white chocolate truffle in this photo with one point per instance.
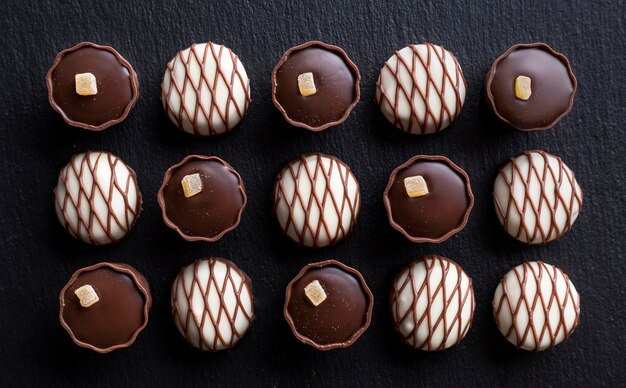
(316, 200)
(536, 306)
(212, 304)
(537, 197)
(205, 89)
(432, 303)
(96, 198)
(421, 89)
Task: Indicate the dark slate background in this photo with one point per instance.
(38, 257)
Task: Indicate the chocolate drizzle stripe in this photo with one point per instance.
(423, 289)
(401, 91)
(346, 203)
(86, 221)
(528, 304)
(198, 55)
(205, 287)
(544, 175)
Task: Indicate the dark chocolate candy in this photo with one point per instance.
(117, 84)
(553, 86)
(211, 213)
(341, 318)
(438, 215)
(120, 313)
(336, 80)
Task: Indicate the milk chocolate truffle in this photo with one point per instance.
(202, 198)
(428, 199)
(328, 305)
(316, 200)
(97, 199)
(536, 306)
(537, 197)
(105, 306)
(421, 89)
(205, 89)
(92, 86)
(315, 86)
(212, 304)
(530, 87)
(432, 303)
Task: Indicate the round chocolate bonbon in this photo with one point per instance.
(205, 90)
(202, 198)
(212, 304)
(328, 305)
(105, 306)
(537, 197)
(316, 200)
(97, 199)
(421, 89)
(536, 306)
(428, 199)
(432, 303)
(315, 85)
(113, 87)
(531, 87)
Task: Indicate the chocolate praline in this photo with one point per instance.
(340, 319)
(336, 80)
(552, 84)
(117, 86)
(209, 214)
(439, 214)
(118, 316)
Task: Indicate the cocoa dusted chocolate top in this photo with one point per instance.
(105, 306)
(315, 85)
(428, 199)
(328, 305)
(202, 198)
(531, 86)
(114, 82)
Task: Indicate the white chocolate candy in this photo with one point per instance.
(205, 89)
(96, 198)
(536, 306)
(537, 197)
(316, 200)
(421, 89)
(432, 303)
(212, 304)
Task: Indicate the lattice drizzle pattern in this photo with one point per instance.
(432, 303)
(212, 304)
(536, 306)
(205, 89)
(96, 198)
(316, 200)
(421, 89)
(537, 197)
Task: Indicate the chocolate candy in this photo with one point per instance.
(97, 199)
(212, 304)
(315, 86)
(202, 198)
(536, 306)
(105, 306)
(316, 200)
(328, 305)
(537, 197)
(421, 89)
(428, 199)
(205, 90)
(432, 303)
(92, 86)
(530, 87)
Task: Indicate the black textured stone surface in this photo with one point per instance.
(38, 257)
